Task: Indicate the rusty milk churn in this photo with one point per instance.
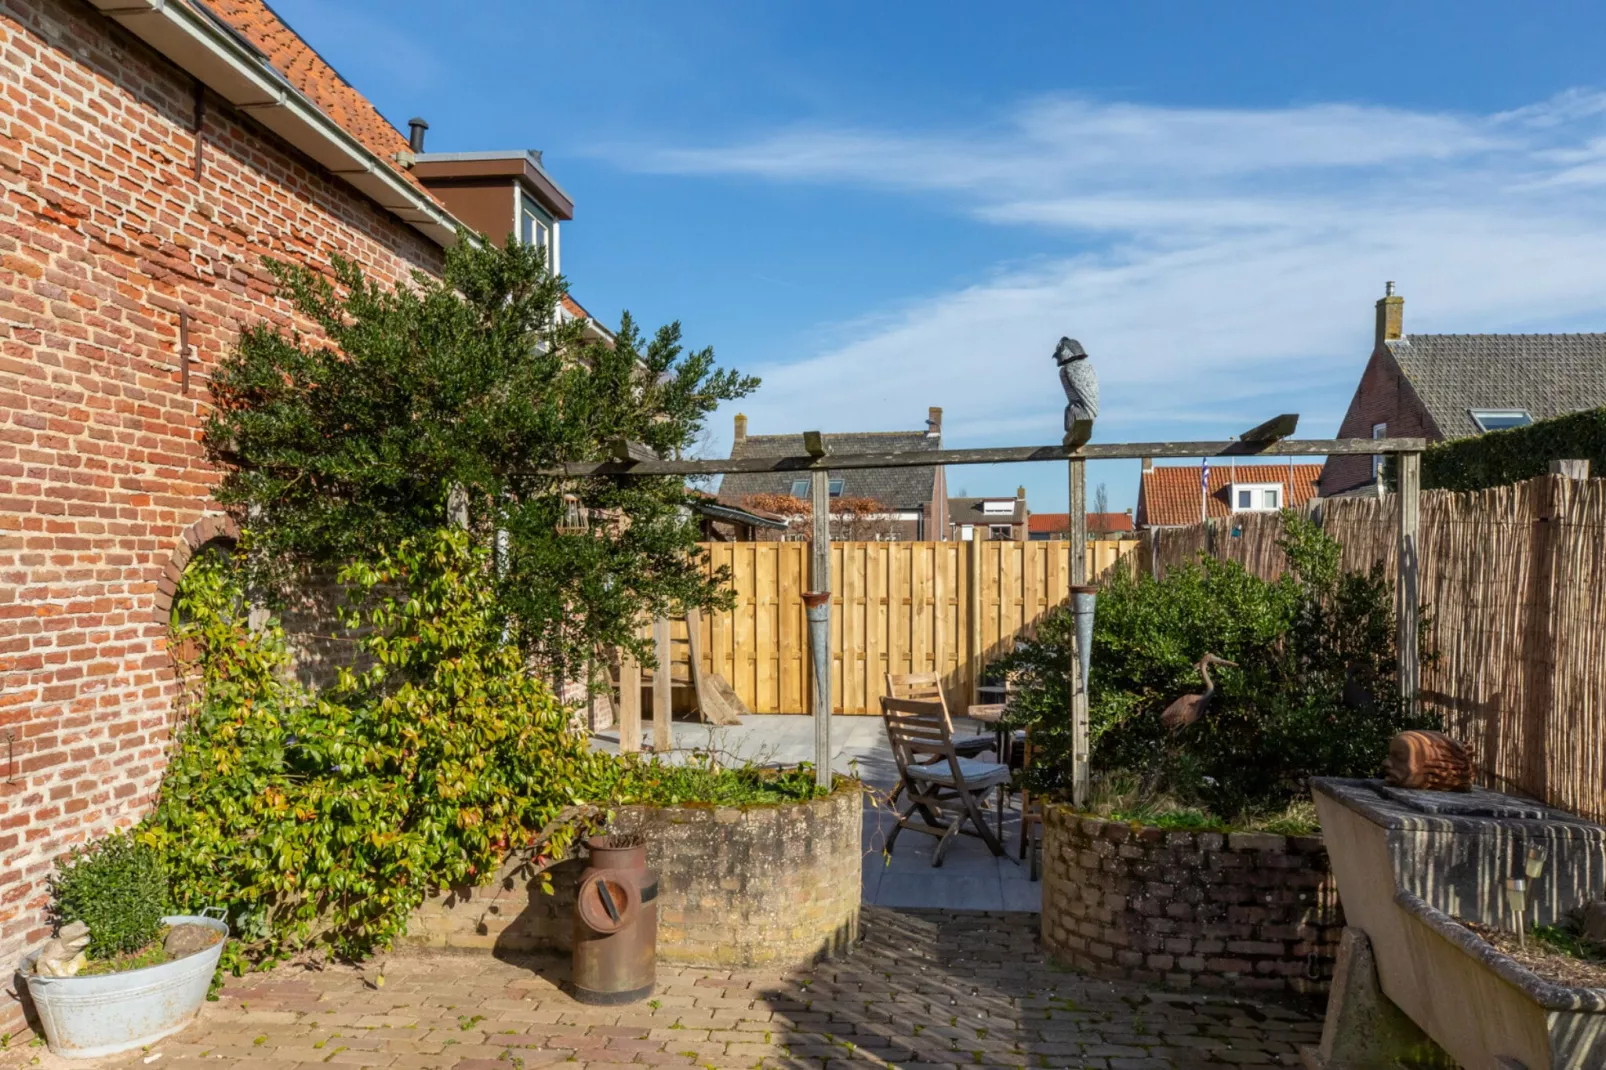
(616, 922)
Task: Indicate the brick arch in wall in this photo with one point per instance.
(210, 528)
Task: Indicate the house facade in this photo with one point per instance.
(1175, 495)
(905, 504)
(1446, 386)
(987, 519)
(153, 154)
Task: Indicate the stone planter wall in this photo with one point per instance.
(737, 887)
(1192, 910)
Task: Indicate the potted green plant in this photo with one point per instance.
(121, 971)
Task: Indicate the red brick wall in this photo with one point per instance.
(105, 233)
(1383, 396)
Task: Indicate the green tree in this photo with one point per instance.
(462, 388)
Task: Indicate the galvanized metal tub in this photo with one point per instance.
(87, 1017)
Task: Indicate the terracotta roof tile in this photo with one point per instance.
(308, 72)
(1053, 523)
(1169, 494)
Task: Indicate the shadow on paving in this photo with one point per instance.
(924, 989)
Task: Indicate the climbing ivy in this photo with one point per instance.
(323, 819)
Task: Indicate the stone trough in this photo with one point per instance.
(1408, 864)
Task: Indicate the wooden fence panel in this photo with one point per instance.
(944, 607)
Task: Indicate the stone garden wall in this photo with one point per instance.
(737, 887)
(1192, 910)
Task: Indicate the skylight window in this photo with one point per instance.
(800, 488)
(1500, 419)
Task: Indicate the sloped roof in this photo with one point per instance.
(897, 488)
(969, 511)
(1543, 374)
(1169, 494)
(1052, 523)
(309, 73)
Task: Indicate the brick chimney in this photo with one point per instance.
(1390, 316)
(1148, 464)
(1020, 494)
(741, 427)
(934, 422)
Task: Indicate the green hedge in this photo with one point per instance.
(1498, 458)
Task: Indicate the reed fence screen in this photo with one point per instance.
(1513, 580)
(945, 607)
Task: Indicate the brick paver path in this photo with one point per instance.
(926, 989)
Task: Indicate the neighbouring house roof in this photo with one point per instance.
(969, 511)
(1169, 494)
(1543, 374)
(312, 75)
(737, 515)
(896, 488)
(1055, 523)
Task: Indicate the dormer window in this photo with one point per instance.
(1256, 497)
(1500, 419)
(1001, 507)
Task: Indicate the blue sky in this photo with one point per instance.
(881, 207)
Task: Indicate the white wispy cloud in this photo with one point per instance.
(1215, 261)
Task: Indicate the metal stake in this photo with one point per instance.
(818, 603)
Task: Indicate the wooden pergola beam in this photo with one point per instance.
(1293, 447)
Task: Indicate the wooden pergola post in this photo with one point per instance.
(1081, 772)
(820, 637)
(663, 740)
(629, 703)
(1407, 587)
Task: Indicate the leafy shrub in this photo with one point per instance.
(1314, 693)
(1497, 458)
(326, 818)
(118, 887)
(705, 780)
(467, 386)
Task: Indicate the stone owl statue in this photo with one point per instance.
(1081, 385)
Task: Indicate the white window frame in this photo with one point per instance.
(538, 228)
(1378, 431)
(1001, 507)
(1257, 493)
(1479, 415)
(1000, 532)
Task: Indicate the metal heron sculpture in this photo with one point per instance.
(1189, 708)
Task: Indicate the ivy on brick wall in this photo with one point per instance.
(445, 397)
(1498, 458)
(322, 819)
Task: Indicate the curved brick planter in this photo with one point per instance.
(1189, 909)
(737, 887)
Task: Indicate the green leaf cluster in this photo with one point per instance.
(460, 390)
(1314, 693)
(1498, 458)
(118, 887)
(325, 818)
(705, 779)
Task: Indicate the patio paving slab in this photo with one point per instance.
(937, 989)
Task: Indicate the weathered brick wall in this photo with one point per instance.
(737, 887)
(105, 234)
(1200, 910)
(1384, 396)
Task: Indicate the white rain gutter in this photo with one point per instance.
(236, 71)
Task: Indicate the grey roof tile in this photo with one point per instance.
(1544, 374)
(898, 488)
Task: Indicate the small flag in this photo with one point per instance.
(1204, 477)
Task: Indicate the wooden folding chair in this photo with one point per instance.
(937, 779)
(927, 687)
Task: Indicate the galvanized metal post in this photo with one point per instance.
(818, 602)
(1081, 774)
(1407, 627)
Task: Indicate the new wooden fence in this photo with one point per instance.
(947, 607)
(1514, 582)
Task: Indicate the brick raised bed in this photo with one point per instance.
(738, 887)
(1192, 910)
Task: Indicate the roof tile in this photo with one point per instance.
(1543, 374)
(897, 488)
(1169, 493)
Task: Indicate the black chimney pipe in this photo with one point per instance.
(415, 137)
